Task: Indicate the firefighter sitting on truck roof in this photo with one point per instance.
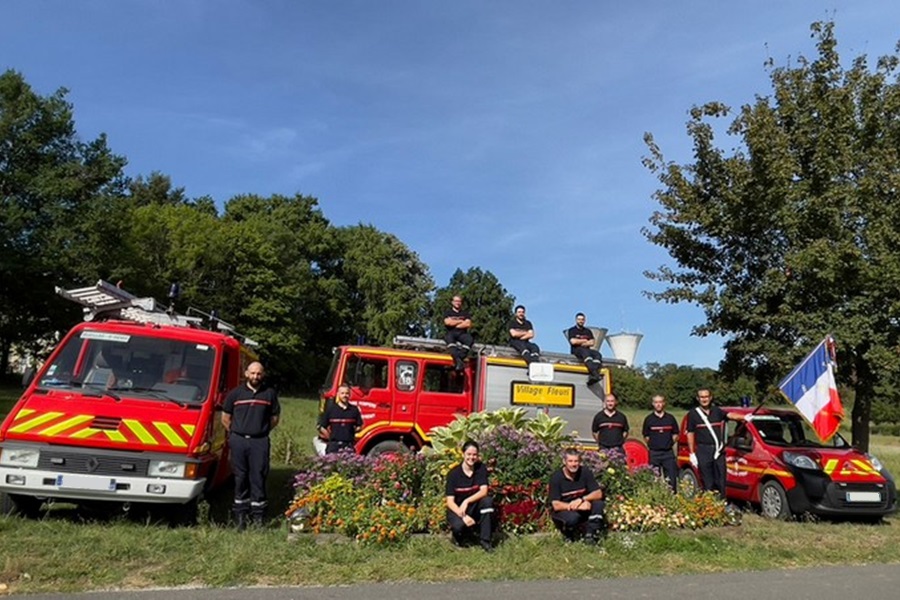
(581, 342)
(457, 320)
(339, 422)
(521, 332)
(249, 413)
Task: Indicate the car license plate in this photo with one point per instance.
(85, 482)
(863, 496)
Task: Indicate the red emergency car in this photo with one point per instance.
(776, 462)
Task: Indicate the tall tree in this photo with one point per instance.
(283, 285)
(387, 285)
(796, 232)
(484, 297)
(156, 189)
(50, 186)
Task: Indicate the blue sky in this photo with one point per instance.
(505, 134)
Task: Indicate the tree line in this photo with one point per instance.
(273, 266)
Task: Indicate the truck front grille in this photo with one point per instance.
(91, 464)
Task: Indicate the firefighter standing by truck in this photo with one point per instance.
(706, 441)
(661, 432)
(610, 427)
(249, 414)
(340, 422)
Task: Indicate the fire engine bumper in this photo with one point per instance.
(818, 494)
(80, 486)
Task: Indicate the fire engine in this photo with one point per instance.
(126, 409)
(776, 462)
(406, 390)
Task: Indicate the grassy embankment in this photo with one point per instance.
(63, 552)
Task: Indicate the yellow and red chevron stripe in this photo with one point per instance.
(77, 427)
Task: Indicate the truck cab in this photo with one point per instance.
(126, 409)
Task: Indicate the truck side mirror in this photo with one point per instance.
(743, 443)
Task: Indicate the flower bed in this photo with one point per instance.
(383, 500)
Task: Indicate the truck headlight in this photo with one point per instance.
(879, 466)
(165, 468)
(19, 457)
(800, 461)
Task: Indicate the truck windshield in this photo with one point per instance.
(790, 430)
(132, 366)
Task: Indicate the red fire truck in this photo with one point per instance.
(406, 390)
(126, 409)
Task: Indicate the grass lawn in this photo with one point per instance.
(67, 551)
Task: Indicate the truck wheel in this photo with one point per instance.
(688, 484)
(23, 506)
(183, 515)
(388, 447)
(773, 502)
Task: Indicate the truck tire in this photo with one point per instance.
(773, 502)
(688, 484)
(387, 447)
(23, 506)
(184, 515)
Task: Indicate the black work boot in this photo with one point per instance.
(240, 521)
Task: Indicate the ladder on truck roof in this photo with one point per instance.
(420, 343)
(106, 300)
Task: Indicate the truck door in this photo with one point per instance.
(369, 388)
(406, 379)
(444, 395)
(742, 464)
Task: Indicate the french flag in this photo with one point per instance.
(811, 388)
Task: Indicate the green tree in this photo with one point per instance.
(795, 233)
(679, 383)
(283, 285)
(484, 297)
(631, 387)
(52, 213)
(387, 285)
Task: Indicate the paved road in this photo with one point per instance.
(834, 583)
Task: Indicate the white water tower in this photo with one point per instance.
(625, 346)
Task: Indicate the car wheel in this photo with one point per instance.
(688, 483)
(24, 506)
(388, 447)
(773, 502)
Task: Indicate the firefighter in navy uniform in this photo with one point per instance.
(610, 427)
(250, 412)
(459, 340)
(576, 499)
(706, 441)
(469, 507)
(339, 422)
(581, 340)
(521, 332)
(661, 432)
